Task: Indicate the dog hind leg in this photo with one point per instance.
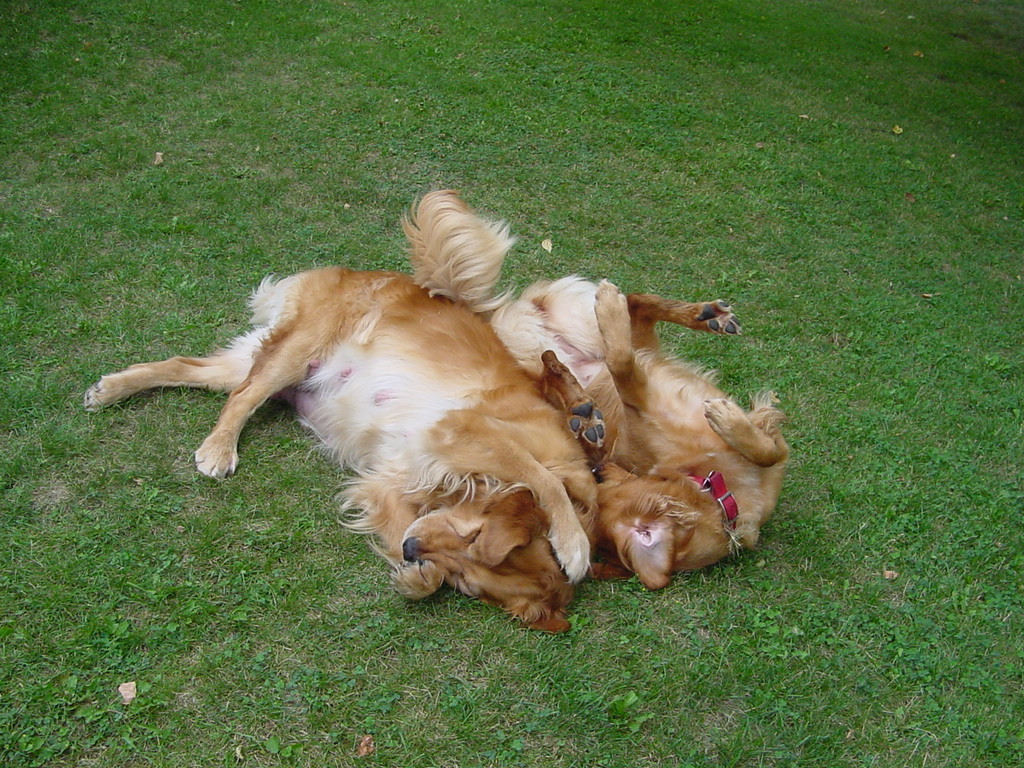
(646, 310)
(761, 446)
(281, 362)
(614, 321)
(221, 372)
(585, 420)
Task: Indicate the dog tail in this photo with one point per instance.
(454, 252)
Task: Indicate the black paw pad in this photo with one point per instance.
(585, 410)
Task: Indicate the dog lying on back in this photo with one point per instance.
(689, 475)
(466, 475)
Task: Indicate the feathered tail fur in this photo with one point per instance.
(454, 252)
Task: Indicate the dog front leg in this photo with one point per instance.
(472, 444)
(613, 319)
(281, 362)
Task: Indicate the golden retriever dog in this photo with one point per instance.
(465, 474)
(690, 475)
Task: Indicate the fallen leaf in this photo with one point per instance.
(159, 159)
(127, 691)
(897, 130)
(919, 54)
(890, 575)
(910, 197)
(805, 117)
(546, 244)
(929, 295)
(366, 746)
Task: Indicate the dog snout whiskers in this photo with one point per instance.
(411, 550)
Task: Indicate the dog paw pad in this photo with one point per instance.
(717, 317)
(586, 422)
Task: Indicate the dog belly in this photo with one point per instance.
(374, 410)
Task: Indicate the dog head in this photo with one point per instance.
(655, 525)
(494, 549)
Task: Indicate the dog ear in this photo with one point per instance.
(650, 551)
(509, 523)
(467, 529)
(556, 623)
(497, 538)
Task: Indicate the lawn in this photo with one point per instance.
(849, 175)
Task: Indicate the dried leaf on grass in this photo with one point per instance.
(127, 691)
(546, 244)
(366, 746)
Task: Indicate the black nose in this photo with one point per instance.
(411, 549)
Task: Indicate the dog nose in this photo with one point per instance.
(411, 549)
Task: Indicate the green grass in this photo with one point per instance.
(733, 149)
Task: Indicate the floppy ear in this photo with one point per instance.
(497, 538)
(650, 550)
(467, 529)
(509, 523)
(556, 623)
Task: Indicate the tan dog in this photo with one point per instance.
(419, 397)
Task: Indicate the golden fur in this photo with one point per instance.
(452, 443)
(663, 418)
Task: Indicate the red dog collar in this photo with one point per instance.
(714, 484)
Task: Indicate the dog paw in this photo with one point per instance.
(717, 317)
(417, 580)
(215, 459)
(586, 422)
(572, 548)
(612, 311)
(722, 413)
(94, 400)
